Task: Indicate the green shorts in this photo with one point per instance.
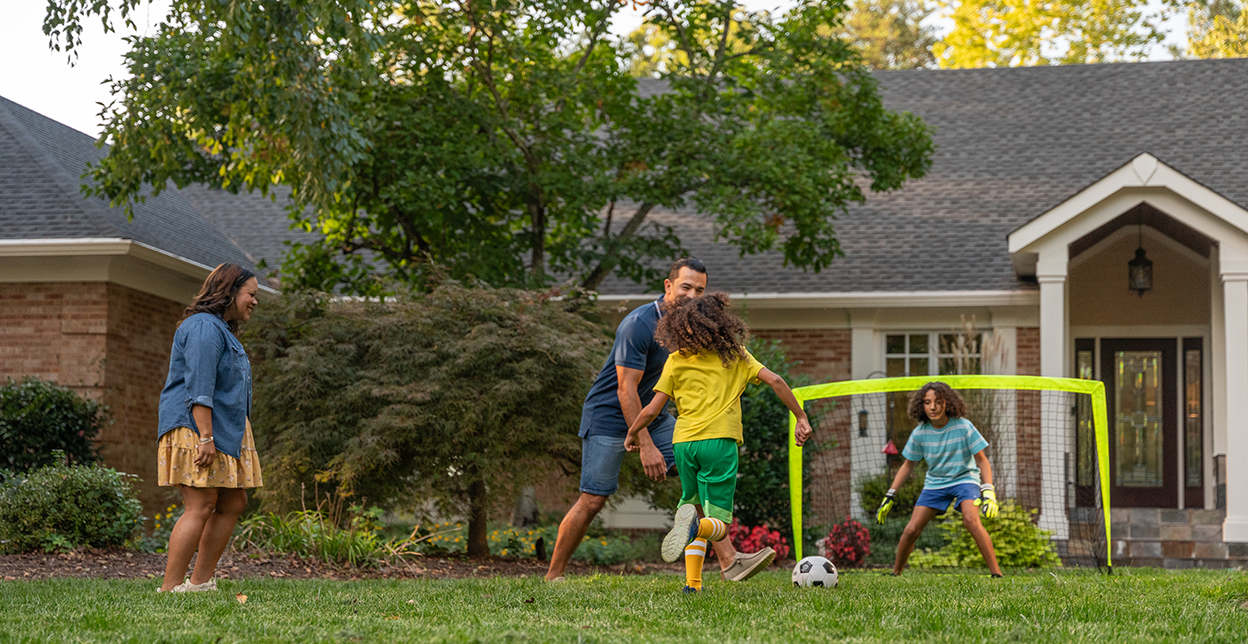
(708, 475)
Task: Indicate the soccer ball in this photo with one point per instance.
(814, 571)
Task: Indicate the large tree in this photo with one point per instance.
(890, 34)
(1218, 29)
(505, 139)
(1016, 33)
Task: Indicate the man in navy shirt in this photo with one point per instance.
(623, 387)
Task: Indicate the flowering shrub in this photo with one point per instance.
(162, 527)
(754, 539)
(848, 544)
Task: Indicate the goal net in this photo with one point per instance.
(1048, 448)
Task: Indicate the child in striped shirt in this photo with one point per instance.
(956, 465)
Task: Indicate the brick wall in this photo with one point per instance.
(140, 334)
(104, 341)
(1029, 443)
(54, 332)
(824, 353)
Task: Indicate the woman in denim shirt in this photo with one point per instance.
(205, 445)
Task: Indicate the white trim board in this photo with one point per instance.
(121, 261)
(854, 300)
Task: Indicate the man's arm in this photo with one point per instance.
(627, 382)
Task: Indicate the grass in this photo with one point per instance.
(1139, 605)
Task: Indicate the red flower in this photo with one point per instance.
(848, 544)
(747, 540)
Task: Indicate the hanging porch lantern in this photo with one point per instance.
(1140, 269)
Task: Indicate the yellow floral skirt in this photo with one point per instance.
(176, 462)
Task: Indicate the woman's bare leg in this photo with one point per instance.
(220, 526)
(918, 520)
(198, 504)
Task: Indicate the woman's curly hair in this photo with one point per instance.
(703, 324)
(954, 407)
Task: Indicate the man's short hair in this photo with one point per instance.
(691, 263)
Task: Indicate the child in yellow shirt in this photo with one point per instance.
(705, 375)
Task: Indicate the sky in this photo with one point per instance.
(42, 80)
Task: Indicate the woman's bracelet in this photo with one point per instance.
(203, 441)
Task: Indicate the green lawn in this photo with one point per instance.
(1131, 606)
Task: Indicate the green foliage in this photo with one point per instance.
(1022, 33)
(763, 470)
(890, 34)
(457, 397)
(326, 534)
(871, 491)
(61, 507)
(1219, 29)
(884, 538)
(599, 547)
(1017, 541)
(506, 141)
(162, 527)
(42, 423)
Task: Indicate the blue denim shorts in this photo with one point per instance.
(940, 498)
(602, 456)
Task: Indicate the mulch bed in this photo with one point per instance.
(128, 564)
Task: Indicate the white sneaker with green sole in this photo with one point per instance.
(684, 531)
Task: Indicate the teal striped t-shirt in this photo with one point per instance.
(950, 452)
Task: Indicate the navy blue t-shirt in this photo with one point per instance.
(635, 348)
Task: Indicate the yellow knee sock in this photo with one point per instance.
(695, 554)
(712, 529)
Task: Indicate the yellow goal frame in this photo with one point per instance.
(1094, 388)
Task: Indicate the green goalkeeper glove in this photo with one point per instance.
(987, 501)
(885, 506)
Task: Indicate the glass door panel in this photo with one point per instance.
(1139, 409)
(1141, 381)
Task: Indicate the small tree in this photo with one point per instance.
(458, 396)
(39, 419)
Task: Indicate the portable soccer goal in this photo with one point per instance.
(1048, 448)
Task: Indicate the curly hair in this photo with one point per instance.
(954, 407)
(703, 324)
(217, 294)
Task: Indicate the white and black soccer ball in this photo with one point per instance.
(815, 572)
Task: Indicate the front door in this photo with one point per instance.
(1141, 391)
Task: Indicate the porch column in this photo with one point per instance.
(1235, 312)
(1053, 426)
(1052, 279)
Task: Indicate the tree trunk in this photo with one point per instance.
(478, 516)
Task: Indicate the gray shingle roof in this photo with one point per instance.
(41, 162)
(256, 223)
(1012, 144)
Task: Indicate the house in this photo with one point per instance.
(1045, 183)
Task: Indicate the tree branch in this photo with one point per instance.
(610, 257)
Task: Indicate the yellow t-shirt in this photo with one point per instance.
(707, 396)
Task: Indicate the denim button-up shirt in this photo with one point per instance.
(208, 367)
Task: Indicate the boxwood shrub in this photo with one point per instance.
(39, 418)
(61, 507)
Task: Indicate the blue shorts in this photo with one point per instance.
(602, 456)
(941, 498)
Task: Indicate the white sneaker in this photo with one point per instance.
(188, 587)
(684, 531)
(748, 565)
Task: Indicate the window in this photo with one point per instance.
(932, 354)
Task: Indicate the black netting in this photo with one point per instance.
(1042, 449)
